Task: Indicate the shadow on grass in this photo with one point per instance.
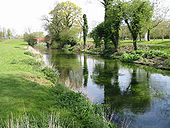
(18, 96)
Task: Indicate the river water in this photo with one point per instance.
(135, 96)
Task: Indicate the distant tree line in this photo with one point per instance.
(161, 31)
(6, 33)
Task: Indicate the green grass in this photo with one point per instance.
(25, 89)
(154, 53)
(162, 45)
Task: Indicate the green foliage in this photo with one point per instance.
(68, 49)
(64, 26)
(51, 74)
(30, 97)
(154, 53)
(136, 14)
(85, 29)
(30, 38)
(161, 31)
(82, 110)
(97, 34)
(140, 54)
(38, 34)
(130, 57)
(68, 37)
(9, 34)
(113, 22)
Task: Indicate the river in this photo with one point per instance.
(135, 96)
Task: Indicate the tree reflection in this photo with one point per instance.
(69, 68)
(136, 97)
(85, 71)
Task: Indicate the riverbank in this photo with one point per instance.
(30, 95)
(155, 53)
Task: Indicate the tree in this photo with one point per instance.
(66, 16)
(106, 4)
(85, 29)
(160, 12)
(162, 31)
(136, 14)
(38, 34)
(114, 21)
(97, 34)
(30, 38)
(9, 34)
(4, 32)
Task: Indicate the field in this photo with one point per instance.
(163, 45)
(28, 98)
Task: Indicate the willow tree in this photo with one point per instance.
(137, 14)
(85, 29)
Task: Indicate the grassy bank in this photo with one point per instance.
(28, 97)
(155, 53)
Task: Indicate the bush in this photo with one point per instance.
(154, 53)
(79, 109)
(130, 57)
(51, 74)
(68, 37)
(30, 38)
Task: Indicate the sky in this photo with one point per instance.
(22, 14)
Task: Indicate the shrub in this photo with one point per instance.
(130, 57)
(51, 74)
(154, 53)
(30, 38)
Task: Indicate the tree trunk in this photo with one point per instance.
(85, 71)
(135, 44)
(148, 35)
(105, 44)
(84, 39)
(116, 42)
(162, 37)
(140, 37)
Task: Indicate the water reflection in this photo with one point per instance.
(85, 71)
(124, 89)
(139, 94)
(69, 67)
